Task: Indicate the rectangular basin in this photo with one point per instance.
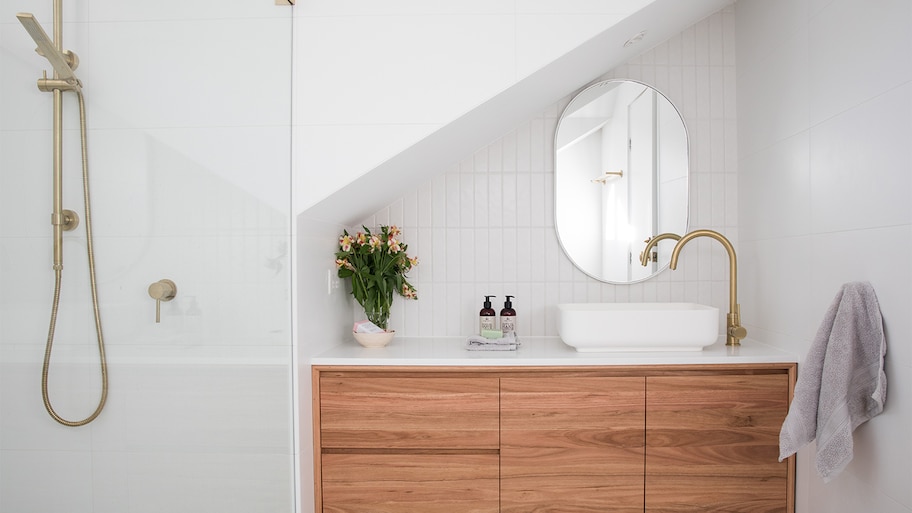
(605, 327)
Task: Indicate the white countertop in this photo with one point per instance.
(537, 351)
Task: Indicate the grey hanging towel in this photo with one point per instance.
(841, 383)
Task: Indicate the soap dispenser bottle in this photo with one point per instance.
(508, 317)
(486, 316)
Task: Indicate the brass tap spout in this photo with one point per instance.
(645, 256)
(734, 331)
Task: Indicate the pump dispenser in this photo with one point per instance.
(487, 316)
(508, 317)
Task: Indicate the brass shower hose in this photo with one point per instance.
(57, 278)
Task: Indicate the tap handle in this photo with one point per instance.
(162, 290)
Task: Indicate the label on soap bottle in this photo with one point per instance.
(486, 322)
(507, 323)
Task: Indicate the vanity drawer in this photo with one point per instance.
(395, 412)
(411, 483)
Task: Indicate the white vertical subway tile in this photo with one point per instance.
(439, 201)
(716, 36)
(466, 252)
(395, 211)
(728, 38)
(717, 90)
(438, 254)
(467, 199)
(523, 150)
(509, 274)
(481, 254)
(481, 201)
(453, 194)
(509, 197)
(495, 156)
(701, 43)
(508, 152)
(495, 256)
(523, 248)
(537, 145)
(704, 91)
(409, 218)
(688, 46)
(495, 200)
(453, 255)
(523, 198)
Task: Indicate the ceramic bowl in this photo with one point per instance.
(374, 339)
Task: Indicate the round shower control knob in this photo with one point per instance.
(163, 290)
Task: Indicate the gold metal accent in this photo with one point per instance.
(608, 176)
(63, 62)
(67, 220)
(734, 331)
(647, 254)
(162, 290)
(64, 220)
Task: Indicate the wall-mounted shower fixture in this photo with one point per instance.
(162, 290)
(64, 79)
(64, 62)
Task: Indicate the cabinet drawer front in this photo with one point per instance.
(409, 413)
(410, 483)
(572, 444)
(713, 443)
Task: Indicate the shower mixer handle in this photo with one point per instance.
(162, 290)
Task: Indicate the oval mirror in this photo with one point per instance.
(620, 177)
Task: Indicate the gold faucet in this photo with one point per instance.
(734, 331)
(645, 256)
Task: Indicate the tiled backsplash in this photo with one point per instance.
(485, 227)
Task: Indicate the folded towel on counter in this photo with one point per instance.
(841, 383)
(509, 342)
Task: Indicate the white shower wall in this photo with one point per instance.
(190, 182)
(485, 227)
(825, 124)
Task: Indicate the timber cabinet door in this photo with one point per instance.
(712, 444)
(397, 444)
(572, 444)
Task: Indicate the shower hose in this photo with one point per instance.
(45, 369)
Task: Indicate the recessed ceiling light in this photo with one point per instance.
(635, 39)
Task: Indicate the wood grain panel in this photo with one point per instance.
(419, 412)
(573, 445)
(712, 443)
(410, 483)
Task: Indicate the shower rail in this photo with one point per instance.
(64, 79)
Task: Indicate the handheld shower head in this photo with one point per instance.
(63, 62)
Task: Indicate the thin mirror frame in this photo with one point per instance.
(583, 94)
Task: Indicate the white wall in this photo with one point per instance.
(825, 124)
(374, 78)
(190, 181)
(486, 226)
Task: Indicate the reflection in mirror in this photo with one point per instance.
(620, 177)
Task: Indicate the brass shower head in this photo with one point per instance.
(63, 62)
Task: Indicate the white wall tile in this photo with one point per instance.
(855, 155)
(823, 193)
(874, 67)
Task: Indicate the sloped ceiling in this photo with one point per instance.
(497, 116)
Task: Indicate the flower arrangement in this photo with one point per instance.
(377, 265)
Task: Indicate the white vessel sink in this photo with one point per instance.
(601, 327)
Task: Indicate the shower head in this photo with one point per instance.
(63, 63)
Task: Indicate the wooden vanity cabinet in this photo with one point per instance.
(548, 440)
